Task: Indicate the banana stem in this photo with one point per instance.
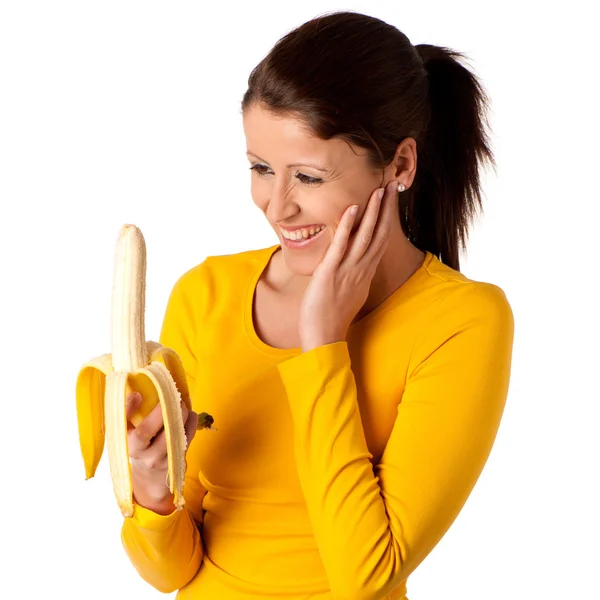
(205, 421)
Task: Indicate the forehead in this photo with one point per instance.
(274, 135)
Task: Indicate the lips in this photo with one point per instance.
(296, 227)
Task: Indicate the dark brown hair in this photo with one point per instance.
(354, 77)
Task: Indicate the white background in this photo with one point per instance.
(118, 112)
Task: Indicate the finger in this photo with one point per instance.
(156, 456)
(339, 242)
(155, 453)
(383, 227)
(140, 437)
(361, 242)
(184, 411)
(132, 402)
(362, 238)
(190, 427)
(158, 443)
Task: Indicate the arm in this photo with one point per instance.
(167, 549)
(374, 526)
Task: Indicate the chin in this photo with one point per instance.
(303, 262)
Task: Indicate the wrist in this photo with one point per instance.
(158, 499)
(161, 506)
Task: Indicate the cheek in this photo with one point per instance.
(325, 206)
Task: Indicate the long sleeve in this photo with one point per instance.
(375, 524)
(167, 550)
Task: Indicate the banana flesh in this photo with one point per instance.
(134, 364)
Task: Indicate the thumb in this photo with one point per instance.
(134, 399)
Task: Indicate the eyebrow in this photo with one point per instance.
(293, 164)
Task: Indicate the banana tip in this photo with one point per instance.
(129, 228)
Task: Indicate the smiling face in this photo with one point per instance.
(299, 179)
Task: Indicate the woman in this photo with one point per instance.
(357, 379)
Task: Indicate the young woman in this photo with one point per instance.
(357, 378)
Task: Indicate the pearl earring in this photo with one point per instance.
(401, 187)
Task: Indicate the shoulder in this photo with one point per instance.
(460, 297)
(471, 316)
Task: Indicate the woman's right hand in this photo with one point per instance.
(148, 453)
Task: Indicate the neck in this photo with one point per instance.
(399, 262)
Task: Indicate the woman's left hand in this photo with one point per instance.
(340, 284)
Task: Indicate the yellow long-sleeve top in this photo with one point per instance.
(333, 472)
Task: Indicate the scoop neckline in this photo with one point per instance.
(261, 265)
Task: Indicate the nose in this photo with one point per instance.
(280, 205)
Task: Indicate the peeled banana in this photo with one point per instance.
(134, 364)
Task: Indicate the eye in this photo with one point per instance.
(306, 179)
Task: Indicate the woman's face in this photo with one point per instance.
(298, 179)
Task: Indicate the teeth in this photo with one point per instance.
(301, 233)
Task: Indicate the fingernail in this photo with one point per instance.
(380, 193)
